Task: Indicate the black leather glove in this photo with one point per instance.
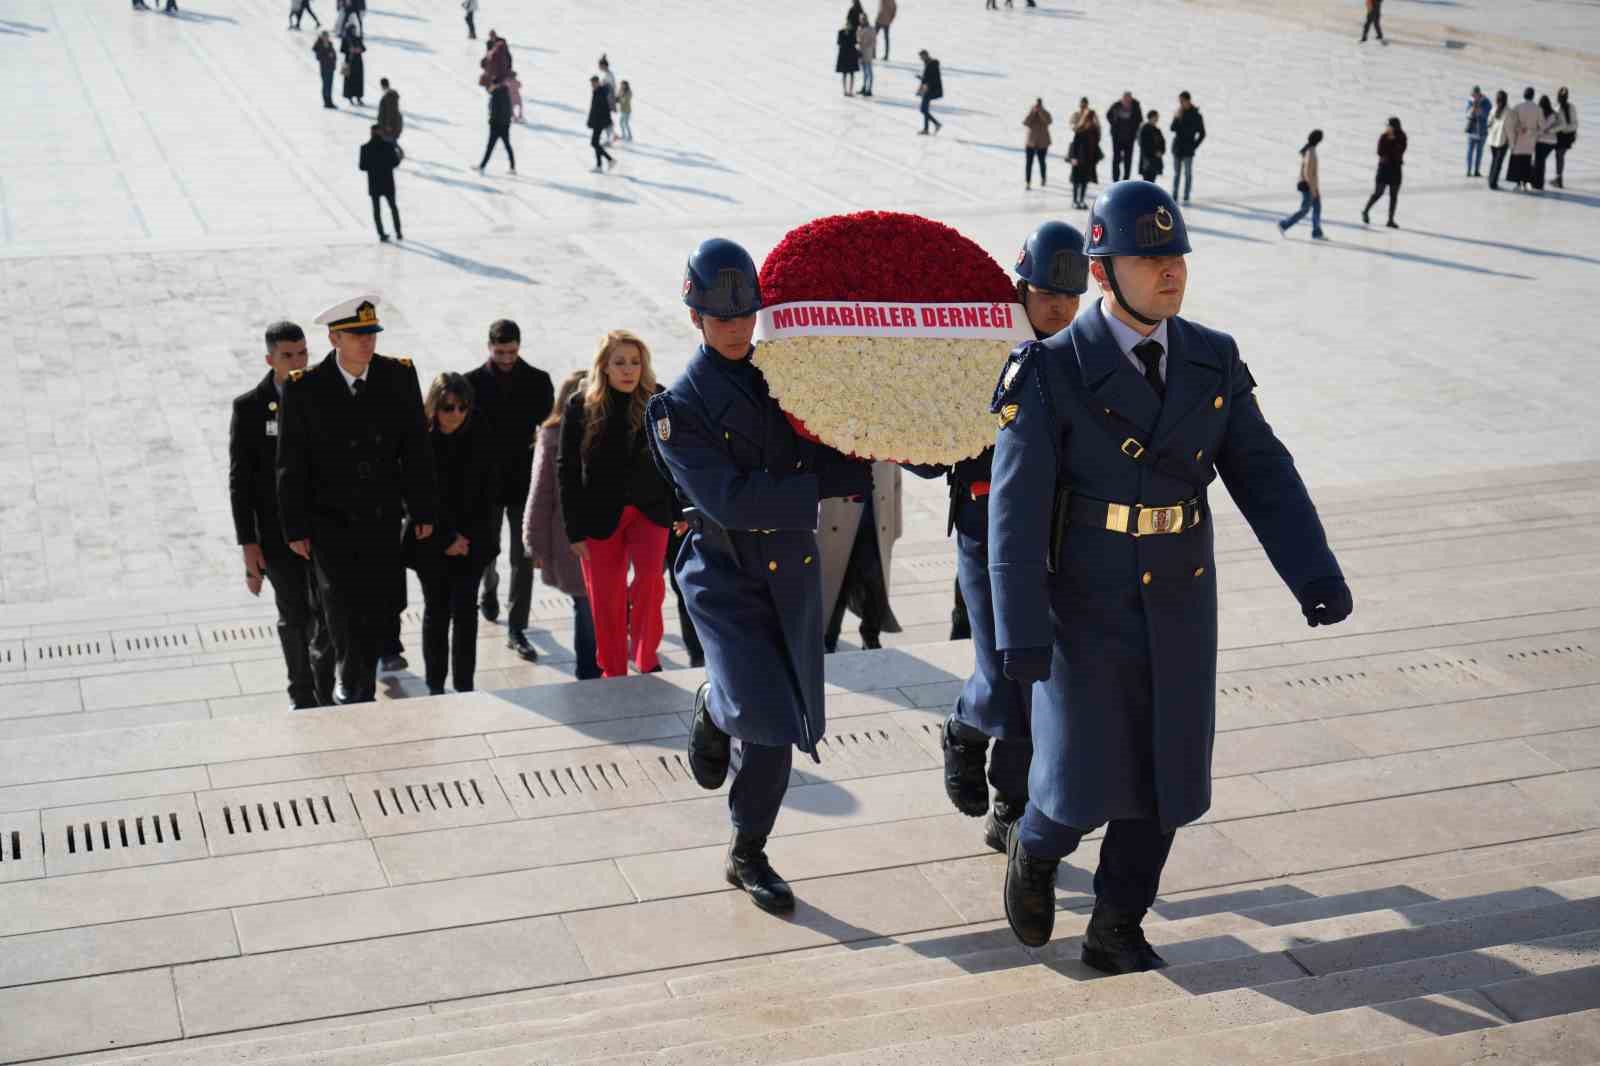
(1027, 665)
(1326, 601)
(839, 475)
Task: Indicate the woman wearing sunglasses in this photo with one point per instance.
(450, 563)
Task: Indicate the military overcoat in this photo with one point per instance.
(1124, 726)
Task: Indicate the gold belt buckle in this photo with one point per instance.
(1157, 520)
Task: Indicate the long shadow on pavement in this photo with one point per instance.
(461, 262)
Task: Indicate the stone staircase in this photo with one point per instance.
(1402, 865)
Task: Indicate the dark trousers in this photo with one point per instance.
(355, 626)
(760, 779)
(503, 135)
(1372, 22)
(1377, 193)
(327, 86)
(600, 154)
(1541, 159)
(884, 30)
(303, 10)
(472, 28)
(450, 603)
(584, 648)
(1497, 159)
(1121, 160)
(927, 116)
(509, 515)
(691, 637)
(394, 213)
(302, 631)
(1039, 154)
(960, 620)
(1132, 856)
(1150, 167)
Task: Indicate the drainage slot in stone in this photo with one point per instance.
(227, 818)
(377, 794)
(72, 842)
(16, 846)
(476, 791)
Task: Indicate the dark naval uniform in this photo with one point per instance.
(351, 464)
(253, 493)
(1101, 558)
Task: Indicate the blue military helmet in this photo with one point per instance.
(720, 280)
(1052, 260)
(1136, 218)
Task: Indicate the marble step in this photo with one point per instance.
(1563, 1040)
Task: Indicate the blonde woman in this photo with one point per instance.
(615, 504)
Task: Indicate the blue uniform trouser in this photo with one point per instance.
(760, 778)
(991, 704)
(1132, 856)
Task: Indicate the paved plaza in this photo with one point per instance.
(168, 185)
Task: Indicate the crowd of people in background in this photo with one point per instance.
(1132, 128)
(1527, 134)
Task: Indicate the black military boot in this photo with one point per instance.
(964, 782)
(1030, 892)
(1114, 943)
(749, 869)
(1002, 816)
(709, 747)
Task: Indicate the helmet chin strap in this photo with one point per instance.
(1122, 301)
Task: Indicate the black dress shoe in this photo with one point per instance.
(1030, 892)
(709, 747)
(963, 771)
(749, 869)
(490, 607)
(1002, 816)
(518, 642)
(697, 661)
(393, 664)
(1115, 944)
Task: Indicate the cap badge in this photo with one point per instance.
(1097, 232)
(1022, 255)
(1163, 220)
(687, 285)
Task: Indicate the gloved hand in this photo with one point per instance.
(840, 475)
(1027, 665)
(1326, 601)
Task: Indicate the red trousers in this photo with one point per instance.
(627, 615)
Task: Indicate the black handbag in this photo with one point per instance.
(1302, 186)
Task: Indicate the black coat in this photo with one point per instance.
(932, 81)
(464, 466)
(253, 468)
(849, 60)
(511, 409)
(378, 159)
(619, 472)
(1152, 143)
(1124, 129)
(326, 56)
(1188, 130)
(599, 108)
(349, 469)
(500, 108)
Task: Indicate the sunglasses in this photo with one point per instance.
(453, 408)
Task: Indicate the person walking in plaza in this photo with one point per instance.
(1566, 134)
(496, 61)
(1124, 118)
(1037, 144)
(1310, 190)
(390, 121)
(253, 495)
(855, 541)
(298, 9)
(749, 567)
(353, 459)
(379, 158)
(930, 88)
(515, 399)
(599, 121)
(616, 505)
(608, 82)
(887, 9)
(1374, 22)
(499, 125)
(1188, 133)
(355, 67)
(544, 533)
(1478, 108)
(469, 8)
(625, 110)
(1391, 159)
(1522, 129)
(1117, 425)
(866, 52)
(327, 60)
(1084, 153)
(1152, 147)
(450, 563)
(846, 62)
(1549, 125)
(1497, 139)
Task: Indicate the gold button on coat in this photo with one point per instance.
(1199, 455)
(1146, 578)
(772, 566)
(1199, 571)
(808, 560)
(1217, 403)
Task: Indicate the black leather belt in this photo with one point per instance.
(1136, 519)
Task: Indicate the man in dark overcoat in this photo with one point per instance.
(1102, 567)
(253, 494)
(353, 459)
(379, 158)
(749, 569)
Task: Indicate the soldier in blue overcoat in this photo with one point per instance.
(749, 568)
(1052, 274)
(1103, 573)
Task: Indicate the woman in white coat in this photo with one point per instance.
(1522, 129)
(856, 558)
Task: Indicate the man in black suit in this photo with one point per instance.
(253, 492)
(353, 456)
(513, 399)
(379, 157)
